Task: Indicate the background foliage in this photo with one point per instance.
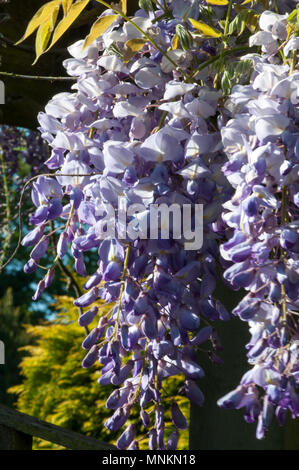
(57, 389)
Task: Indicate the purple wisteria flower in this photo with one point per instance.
(262, 216)
(133, 128)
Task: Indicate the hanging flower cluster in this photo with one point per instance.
(135, 130)
(142, 126)
(261, 141)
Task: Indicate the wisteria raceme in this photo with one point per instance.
(138, 131)
(137, 128)
(261, 141)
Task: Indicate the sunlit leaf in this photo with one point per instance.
(98, 28)
(66, 22)
(136, 44)
(44, 33)
(293, 17)
(66, 4)
(246, 1)
(205, 29)
(132, 47)
(124, 6)
(218, 2)
(39, 18)
(175, 42)
(252, 21)
(246, 18)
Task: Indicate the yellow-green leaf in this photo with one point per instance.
(246, 1)
(98, 28)
(218, 2)
(124, 6)
(66, 4)
(175, 42)
(40, 17)
(252, 21)
(44, 33)
(42, 39)
(66, 22)
(205, 29)
(133, 46)
(53, 18)
(136, 44)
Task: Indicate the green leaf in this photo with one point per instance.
(293, 16)
(205, 29)
(246, 18)
(68, 20)
(23, 168)
(234, 73)
(98, 28)
(226, 82)
(40, 17)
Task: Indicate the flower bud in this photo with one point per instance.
(152, 439)
(90, 357)
(33, 237)
(232, 399)
(88, 298)
(160, 439)
(172, 441)
(202, 336)
(146, 5)
(105, 379)
(30, 267)
(184, 37)
(93, 281)
(194, 393)
(189, 320)
(80, 266)
(112, 272)
(123, 374)
(92, 338)
(118, 419)
(49, 277)
(118, 398)
(87, 317)
(145, 418)
(134, 446)
(62, 245)
(177, 416)
(76, 197)
(40, 249)
(39, 290)
(126, 438)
